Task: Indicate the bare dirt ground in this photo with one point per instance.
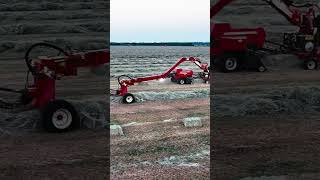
(27, 152)
(265, 125)
(156, 145)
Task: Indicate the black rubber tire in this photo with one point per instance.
(181, 81)
(173, 79)
(171, 75)
(52, 107)
(262, 69)
(125, 99)
(307, 66)
(227, 57)
(189, 80)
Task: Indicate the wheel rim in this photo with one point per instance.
(181, 81)
(62, 118)
(231, 64)
(311, 65)
(129, 99)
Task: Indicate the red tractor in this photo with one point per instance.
(182, 76)
(232, 49)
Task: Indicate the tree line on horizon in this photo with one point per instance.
(161, 44)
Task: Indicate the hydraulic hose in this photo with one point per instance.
(119, 78)
(29, 61)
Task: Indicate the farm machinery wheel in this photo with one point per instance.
(173, 79)
(189, 80)
(59, 116)
(229, 62)
(262, 69)
(253, 61)
(128, 98)
(233, 61)
(181, 81)
(204, 76)
(310, 64)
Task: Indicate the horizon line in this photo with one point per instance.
(167, 42)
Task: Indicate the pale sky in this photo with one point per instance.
(160, 20)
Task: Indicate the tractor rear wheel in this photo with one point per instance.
(310, 64)
(59, 116)
(128, 98)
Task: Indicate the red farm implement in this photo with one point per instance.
(178, 75)
(233, 49)
(57, 115)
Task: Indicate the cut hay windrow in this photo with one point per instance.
(293, 101)
(145, 60)
(13, 122)
(165, 96)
